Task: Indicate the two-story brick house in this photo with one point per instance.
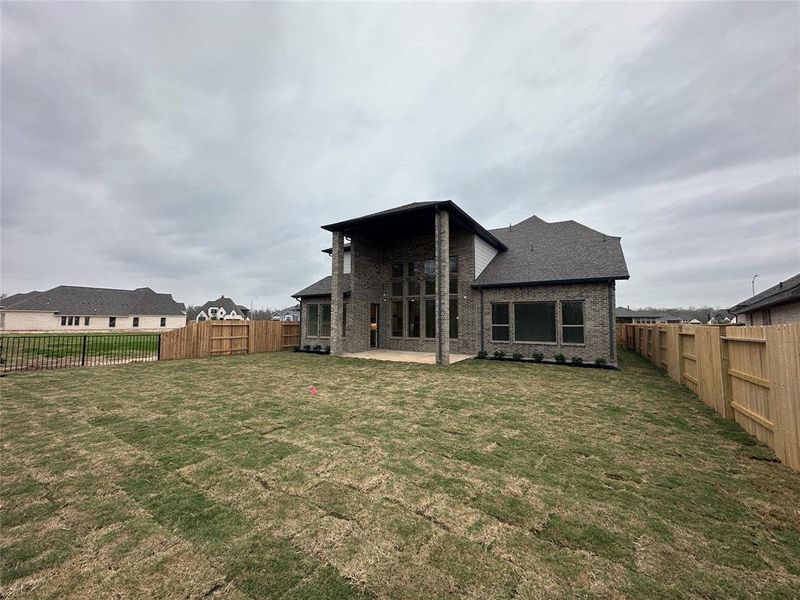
(427, 277)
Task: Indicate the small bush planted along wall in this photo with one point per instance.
(560, 358)
(537, 357)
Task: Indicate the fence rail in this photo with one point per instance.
(750, 375)
(41, 352)
(225, 338)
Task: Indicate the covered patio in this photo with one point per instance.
(428, 358)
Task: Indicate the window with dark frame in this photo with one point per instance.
(430, 276)
(86, 321)
(413, 318)
(163, 321)
(397, 289)
(135, 321)
(324, 320)
(312, 326)
(112, 321)
(397, 270)
(572, 326)
(453, 318)
(397, 318)
(430, 318)
(63, 321)
(69, 321)
(501, 323)
(535, 322)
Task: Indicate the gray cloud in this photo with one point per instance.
(196, 148)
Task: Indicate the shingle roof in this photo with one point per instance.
(75, 300)
(781, 293)
(540, 252)
(323, 287)
(222, 302)
(621, 311)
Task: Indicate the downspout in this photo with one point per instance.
(481, 291)
(611, 325)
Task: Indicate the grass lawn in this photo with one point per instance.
(224, 478)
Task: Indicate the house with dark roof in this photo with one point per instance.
(626, 315)
(427, 277)
(75, 309)
(774, 306)
(222, 309)
(290, 313)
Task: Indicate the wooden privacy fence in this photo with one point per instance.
(747, 374)
(224, 338)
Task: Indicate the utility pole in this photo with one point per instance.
(250, 316)
(753, 283)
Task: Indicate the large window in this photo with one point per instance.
(535, 322)
(430, 318)
(397, 270)
(312, 324)
(397, 289)
(324, 320)
(430, 276)
(413, 318)
(500, 323)
(572, 321)
(397, 318)
(453, 318)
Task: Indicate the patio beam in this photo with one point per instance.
(337, 295)
(442, 259)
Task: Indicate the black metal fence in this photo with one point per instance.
(37, 352)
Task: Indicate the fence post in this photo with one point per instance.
(725, 365)
(158, 350)
(681, 380)
(83, 352)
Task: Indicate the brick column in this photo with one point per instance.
(442, 243)
(337, 296)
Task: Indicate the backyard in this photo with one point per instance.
(226, 478)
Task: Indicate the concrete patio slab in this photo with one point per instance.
(428, 358)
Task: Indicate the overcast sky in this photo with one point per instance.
(196, 148)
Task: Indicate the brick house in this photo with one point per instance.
(427, 277)
(774, 306)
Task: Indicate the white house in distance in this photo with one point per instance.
(74, 309)
(290, 313)
(222, 309)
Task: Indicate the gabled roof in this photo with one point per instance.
(222, 302)
(403, 218)
(323, 287)
(781, 293)
(540, 252)
(76, 300)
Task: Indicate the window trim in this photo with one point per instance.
(564, 326)
(492, 324)
(555, 341)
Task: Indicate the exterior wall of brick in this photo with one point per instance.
(598, 336)
(774, 315)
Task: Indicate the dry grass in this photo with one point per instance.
(224, 478)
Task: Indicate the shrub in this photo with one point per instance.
(537, 357)
(483, 354)
(499, 354)
(307, 347)
(576, 360)
(327, 349)
(318, 347)
(297, 348)
(517, 356)
(600, 361)
(560, 358)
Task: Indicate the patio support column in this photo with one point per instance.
(337, 296)
(442, 243)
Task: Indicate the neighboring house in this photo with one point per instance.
(626, 315)
(427, 277)
(222, 309)
(774, 306)
(695, 322)
(73, 308)
(290, 313)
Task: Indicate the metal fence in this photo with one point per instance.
(39, 352)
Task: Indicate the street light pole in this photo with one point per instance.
(754, 284)
(251, 307)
